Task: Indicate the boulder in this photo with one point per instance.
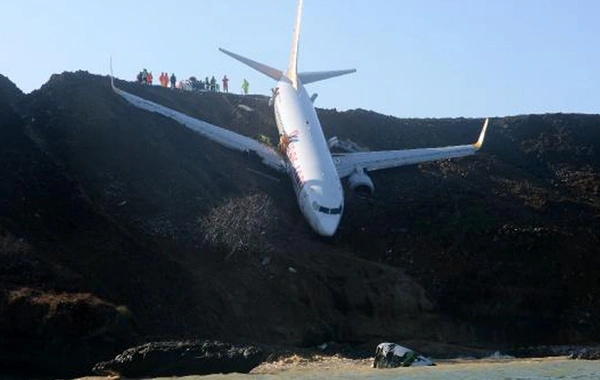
(586, 353)
(391, 355)
(180, 358)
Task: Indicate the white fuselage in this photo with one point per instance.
(310, 165)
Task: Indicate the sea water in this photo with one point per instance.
(522, 369)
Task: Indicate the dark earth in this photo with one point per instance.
(120, 227)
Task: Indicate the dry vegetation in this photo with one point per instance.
(241, 224)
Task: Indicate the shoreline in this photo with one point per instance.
(297, 363)
(295, 366)
(313, 359)
(356, 359)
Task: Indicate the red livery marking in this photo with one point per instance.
(293, 137)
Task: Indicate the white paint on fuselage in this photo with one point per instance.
(310, 165)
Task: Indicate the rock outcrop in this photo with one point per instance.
(181, 358)
(587, 353)
(59, 333)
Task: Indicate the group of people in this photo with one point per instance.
(192, 84)
(211, 85)
(208, 85)
(146, 77)
(165, 80)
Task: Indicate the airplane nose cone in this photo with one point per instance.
(328, 225)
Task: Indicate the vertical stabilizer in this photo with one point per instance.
(292, 71)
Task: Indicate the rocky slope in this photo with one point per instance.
(118, 226)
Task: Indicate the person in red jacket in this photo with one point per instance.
(149, 78)
(225, 83)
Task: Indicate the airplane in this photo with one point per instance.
(304, 153)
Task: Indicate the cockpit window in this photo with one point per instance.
(336, 211)
(326, 210)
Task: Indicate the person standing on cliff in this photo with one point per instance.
(245, 86)
(173, 80)
(225, 83)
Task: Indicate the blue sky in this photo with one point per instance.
(415, 58)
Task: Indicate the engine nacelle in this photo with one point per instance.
(333, 142)
(361, 183)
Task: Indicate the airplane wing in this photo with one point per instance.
(232, 140)
(347, 163)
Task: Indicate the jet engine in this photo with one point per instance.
(333, 142)
(361, 183)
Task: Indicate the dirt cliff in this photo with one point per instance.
(137, 228)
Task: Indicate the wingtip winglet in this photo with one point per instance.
(112, 77)
(479, 142)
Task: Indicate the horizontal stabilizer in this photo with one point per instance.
(267, 70)
(315, 76)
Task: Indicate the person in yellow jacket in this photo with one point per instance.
(245, 86)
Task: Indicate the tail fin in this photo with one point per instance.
(267, 70)
(292, 71)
